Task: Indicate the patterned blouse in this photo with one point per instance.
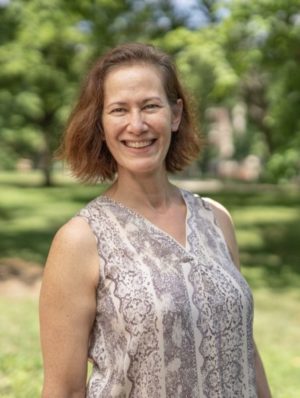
(171, 321)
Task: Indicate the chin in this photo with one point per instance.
(145, 169)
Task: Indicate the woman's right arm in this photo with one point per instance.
(67, 309)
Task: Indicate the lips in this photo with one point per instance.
(138, 144)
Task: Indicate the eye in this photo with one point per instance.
(118, 110)
(151, 106)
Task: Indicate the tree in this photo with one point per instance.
(237, 51)
(46, 48)
(251, 56)
(262, 43)
(207, 74)
(39, 64)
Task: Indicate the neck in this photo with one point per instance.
(152, 191)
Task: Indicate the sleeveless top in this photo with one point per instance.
(171, 321)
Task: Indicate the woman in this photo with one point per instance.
(144, 281)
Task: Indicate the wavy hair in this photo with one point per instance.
(83, 145)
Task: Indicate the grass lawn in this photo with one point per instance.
(20, 360)
(268, 232)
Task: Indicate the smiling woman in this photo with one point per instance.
(145, 280)
(84, 146)
(138, 119)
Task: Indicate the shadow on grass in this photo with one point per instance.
(276, 262)
(258, 197)
(278, 259)
(30, 245)
(44, 210)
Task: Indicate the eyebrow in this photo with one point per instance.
(122, 103)
(118, 103)
(151, 99)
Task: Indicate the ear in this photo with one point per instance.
(176, 115)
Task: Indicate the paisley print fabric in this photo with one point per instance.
(171, 321)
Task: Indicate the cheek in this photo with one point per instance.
(162, 123)
(112, 127)
(108, 130)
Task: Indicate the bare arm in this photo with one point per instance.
(263, 389)
(225, 222)
(67, 310)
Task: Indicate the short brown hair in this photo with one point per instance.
(83, 145)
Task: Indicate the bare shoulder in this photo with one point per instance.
(222, 215)
(75, 231)
(226, 225)
(74, 250)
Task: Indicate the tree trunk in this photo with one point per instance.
(46, 166)
(46, 155)
(255, 97)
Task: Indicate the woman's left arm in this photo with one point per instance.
(225, 223)
(263, 389)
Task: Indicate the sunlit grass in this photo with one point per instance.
(277, 327)
(20, 359)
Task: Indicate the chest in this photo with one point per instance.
(171, 222)
(147, 263)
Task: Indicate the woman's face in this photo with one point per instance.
(137, 118)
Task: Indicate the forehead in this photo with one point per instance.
(139, 71)
(134, 82)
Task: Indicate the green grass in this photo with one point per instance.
(277, 327)
(31, 214)
(20, 360)
(268, 232)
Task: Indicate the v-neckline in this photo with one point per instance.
(139, 216)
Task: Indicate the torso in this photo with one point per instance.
(172, 320)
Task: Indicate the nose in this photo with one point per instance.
(136, 123)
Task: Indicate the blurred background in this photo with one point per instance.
(240, 63)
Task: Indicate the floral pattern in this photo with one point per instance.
(172, 321)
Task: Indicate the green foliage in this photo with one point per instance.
(251, 56)
(39, 66)
(45, 49)
(203, 63)
(244, 52)
(263, 43)
(284, 166)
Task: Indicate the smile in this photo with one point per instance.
(138, 144)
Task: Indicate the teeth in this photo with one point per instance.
(138, 144)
